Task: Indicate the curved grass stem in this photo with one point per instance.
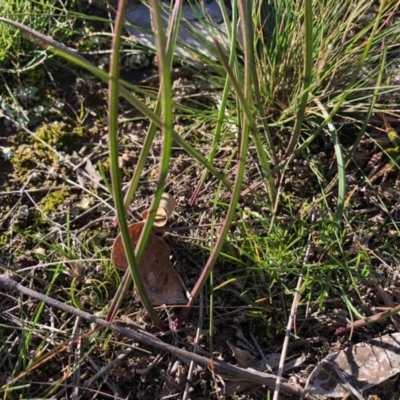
(133, 260)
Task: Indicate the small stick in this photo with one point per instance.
(292, 316)
(250, 375)
(195, 350)
(259, 349)
(369, 320)
(39, 190)
(103, 371)
(76, 376)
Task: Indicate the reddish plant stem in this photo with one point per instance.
(369, 320)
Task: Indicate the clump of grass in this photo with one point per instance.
(344, 91)
(48, 16)
(316, 79)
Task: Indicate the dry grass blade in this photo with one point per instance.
(292, 317)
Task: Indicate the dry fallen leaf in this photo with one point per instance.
(357, 367)
(160, 279)
(388, 300)
(244, 358)
(94, 175)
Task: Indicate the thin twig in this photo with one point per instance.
(259, 349)
(6, 283)
(106, 379)
(76, 376)
(369, 320)
(186, 393)
(292, 315)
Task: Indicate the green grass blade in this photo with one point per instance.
(308, 64)
(224, 100)
(340, 164)
(174, 26)
(116, 178)
(69, 55)
(243, 146)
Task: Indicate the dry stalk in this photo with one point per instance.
(250, 375)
